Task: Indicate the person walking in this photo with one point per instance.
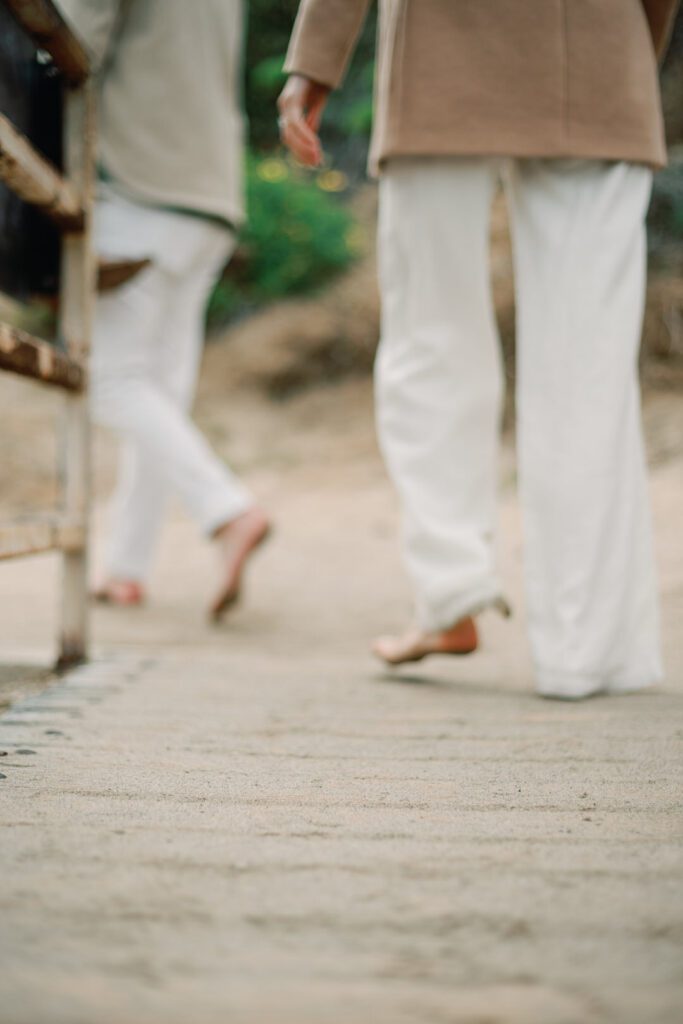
(170, 132)
(560, 99)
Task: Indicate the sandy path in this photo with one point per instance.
(253, 824)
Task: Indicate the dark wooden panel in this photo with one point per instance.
(30, 96)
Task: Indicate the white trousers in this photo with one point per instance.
(580, 270)
(147, 345)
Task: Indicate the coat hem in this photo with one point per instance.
(516, 147)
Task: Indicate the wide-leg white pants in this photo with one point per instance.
(147, 344)
(580, 269)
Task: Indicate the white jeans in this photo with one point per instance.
(580, 268)
(147, 345)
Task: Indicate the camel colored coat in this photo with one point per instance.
(524, 78)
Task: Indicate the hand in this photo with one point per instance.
(301, 105)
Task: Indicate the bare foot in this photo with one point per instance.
(120, 592)
(238, 539)
(416, 645)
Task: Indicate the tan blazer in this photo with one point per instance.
(544, 78)
(170, 84)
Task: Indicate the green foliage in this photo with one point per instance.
(298, 235)
(267, 77)
(357, 118)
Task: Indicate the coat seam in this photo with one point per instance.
(566, 121)
(398, 60)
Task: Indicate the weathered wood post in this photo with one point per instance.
(67, 198)
(76, 311)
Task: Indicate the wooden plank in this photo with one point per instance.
(35, 180)
(34, 536)
(41, 20)
(79, 273)
(30, 357)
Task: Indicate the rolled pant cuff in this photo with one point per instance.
(560, 685)
(228, 511)
(448, 615)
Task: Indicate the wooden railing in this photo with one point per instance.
(66, 198)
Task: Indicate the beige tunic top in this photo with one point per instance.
(170, 120)
(534, 78)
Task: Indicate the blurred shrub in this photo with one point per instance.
(298, 235)
(665, 218)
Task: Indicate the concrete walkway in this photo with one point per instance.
(256, 826)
